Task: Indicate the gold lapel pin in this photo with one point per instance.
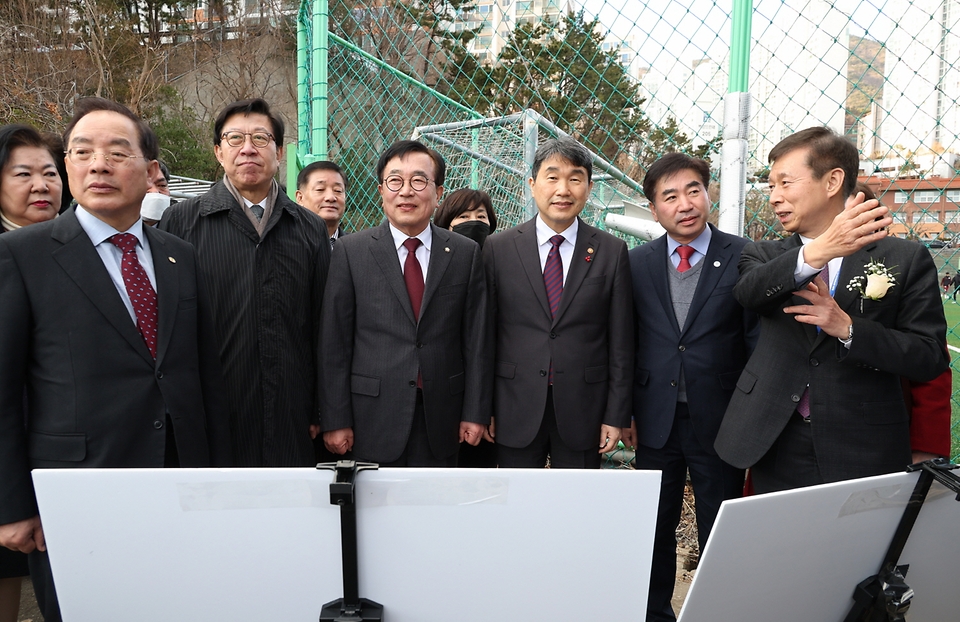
(172, 260)
(590, 250)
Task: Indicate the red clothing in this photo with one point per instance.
(929, 406)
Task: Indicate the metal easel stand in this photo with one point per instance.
(885, 596)
(350, 608)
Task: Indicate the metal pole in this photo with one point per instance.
(736, 122)
(320, 55)
(529, 152)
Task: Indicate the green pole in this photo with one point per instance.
(740, 46)
(303, 101)
(321, 19)
(736, 121)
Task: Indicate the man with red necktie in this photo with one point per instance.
(106, 346)
(406, 350)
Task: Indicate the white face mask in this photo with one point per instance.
(153, 205)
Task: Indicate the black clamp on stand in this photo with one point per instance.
(885, 597)
(350, 608)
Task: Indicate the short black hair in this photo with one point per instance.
(826, 150)
(460, 201)
(402, 148)
(568, 149)
(249, 106)
(319, 165)
(148, 140)
(669, 165)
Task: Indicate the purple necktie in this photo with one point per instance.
(553, 275)
(142, 296)
(413, 276)
(803, 406)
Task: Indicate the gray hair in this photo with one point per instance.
(568, 149)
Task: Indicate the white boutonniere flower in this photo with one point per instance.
(874, 283)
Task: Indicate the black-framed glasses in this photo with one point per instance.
(395, 183)
(82, 155)
(236, 139)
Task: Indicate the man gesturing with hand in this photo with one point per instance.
(845, 311)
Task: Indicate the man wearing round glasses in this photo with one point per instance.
(406, 361)
(265, 259)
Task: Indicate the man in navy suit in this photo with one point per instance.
(693, 340)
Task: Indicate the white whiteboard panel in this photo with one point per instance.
(798, 555)
(264, 544)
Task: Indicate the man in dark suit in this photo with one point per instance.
(406, 356)
(693, 339)
(106, 348)
(562, 310)
(265, 261)
(845, 311)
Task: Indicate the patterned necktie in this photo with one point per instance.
(685, 252)
(257, 211)
(142, 296)
(553, 274)
(803, 406)
(413, 276)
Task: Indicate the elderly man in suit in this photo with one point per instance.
(693, 339)
(563, 317)
(845, 311)
(106, 346)
(406, 356)
(322, 189)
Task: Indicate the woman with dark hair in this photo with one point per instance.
(467, 212)
(470, 213)
(30, 185)
(30, 192)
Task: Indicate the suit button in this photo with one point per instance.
(159, 374)
(419, 344)
(543, 372)
(794, 398)
(682, 348)
(814, 362)
(413, 383)
(673, 383)
(553, 335)
(157, 425)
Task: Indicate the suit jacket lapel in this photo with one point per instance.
(80, 260)
(385, 254)
(577, 271)
(440, 256)
(168, 289)
(719, 253)
(527, 249)
(657, 266)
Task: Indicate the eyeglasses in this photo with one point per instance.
(114, 158)
(395, 183)
(236, 139)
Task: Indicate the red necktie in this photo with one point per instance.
(685, 252)
(803, 406)
(142, 296)
(413, 276)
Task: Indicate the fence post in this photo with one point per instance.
(736, 122)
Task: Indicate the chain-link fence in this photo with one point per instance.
(482, 80)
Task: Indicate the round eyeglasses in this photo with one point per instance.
(236, 139)
(395, 183)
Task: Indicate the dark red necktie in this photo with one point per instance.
(685, 252)
(413, 276)
(142, 296)
(803, 406)
(553, 274)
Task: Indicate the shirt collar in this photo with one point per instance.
(99, 231)
(544, 232)
(701, 244)
(399, 237)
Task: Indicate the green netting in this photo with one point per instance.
(483, 80)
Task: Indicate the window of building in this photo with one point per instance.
(901, 197)
(926, 196)
(953, 196)
(951, 218)
(925, 217)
